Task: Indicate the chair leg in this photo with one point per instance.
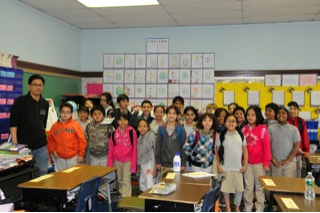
(109, 196)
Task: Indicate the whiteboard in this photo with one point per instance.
(278, 97)
(253, 98)
(228, 97)
(315, 98)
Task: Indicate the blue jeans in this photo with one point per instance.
(41, 159)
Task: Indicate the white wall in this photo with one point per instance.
(245, 47)
(37, 37)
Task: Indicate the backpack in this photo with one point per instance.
(130, 134)
(178, 132)
(300, 124)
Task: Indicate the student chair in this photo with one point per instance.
(210, 199)
(88, 190)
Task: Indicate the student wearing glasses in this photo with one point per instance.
(66, 140)
(28, 120)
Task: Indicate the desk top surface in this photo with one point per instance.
(179, 178)
(303, 204)
(314, 159)
(286, 184)
(67, 179)
(185, 193)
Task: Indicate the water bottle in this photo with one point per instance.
(309, 182)
(176, 162)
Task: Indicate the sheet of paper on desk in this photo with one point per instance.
(269, 182)
(289, 203)
(71, 169)
(170, 175)
(41, 178)
(198, 174)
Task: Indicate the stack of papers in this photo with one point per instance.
(198, 174)
(10, 153)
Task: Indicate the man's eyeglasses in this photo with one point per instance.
(37, 85)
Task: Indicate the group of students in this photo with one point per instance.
(236, 143)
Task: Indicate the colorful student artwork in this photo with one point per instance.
(151, 76)
(129, 76)
(196, 104)
(196, 91)
(196, 76)
(208, 60)
(196, 61)
(173, 90)
(129, 61)
(140, 61)
(204, 103)
(151, 91)
(140, 76)
(185, 75)
(208, 76)
(140, 90)
(108, 88)
(108, 61)
(163, 61)
(152, 61)
(162, 76)
(174, 60)
(129, 90)
(162, 102)
(207, 91)
(117, 89)
(108, 76)
(119, 61)
(162, 90)
(173, 76)
(184, 90)
(185, 60)
(118, 76)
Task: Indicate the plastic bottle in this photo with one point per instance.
(309, 191)
(176, 162)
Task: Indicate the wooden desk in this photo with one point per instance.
(284, 185)
(183, 199)
(179, 178)
(303, 204)
(53, 190)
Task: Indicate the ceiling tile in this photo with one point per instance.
(189, 8)
(206, 22)
(128, 10)
(271, 4)
(280, 12)
(276, 19)
(54, 4)
(86, 20)
(166, 2)
(202, 16)
(96, 26)
(317, 17)
(139, 18)
(147, 24)
(70, 13)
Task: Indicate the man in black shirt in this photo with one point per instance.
(28, 119)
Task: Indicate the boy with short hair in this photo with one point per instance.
(299, 122)
(146, 107)
(123, 103)
(211, 108)
(178, 101)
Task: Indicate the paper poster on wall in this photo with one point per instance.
(207, 91)
(196, 76)
(298, 96)
(174, 60)
(184, 90)
(140, 90)
(196, 90)
(129, 76)
(253, 97)
(152, 61)
(204, 103)
(315, 98)
(162, 102)
(152, 45)
(163, 61)
(163, 76)
(108, 76)
(129, 90)
(208, 76)
(117, 89)
(119, 61)
(140, 76)
(163, 45)
(278, 97)
(137, 102)
(305, 115)
(108, 60)
(173, 90)
(185, 61)
(94, 89)
(272, 80)
(208, 60)
(151, 91)
(108, 88)
(141, 61)
(151, 76)
(196, 61)
(153, 101)
(129, 61)
(187, 102)
(185, 76)
(173, 76)
(308, 80)
(118, 76)
(228, 97)
(196, 104)
(162, 91)
(290, 80)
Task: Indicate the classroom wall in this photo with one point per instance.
(55, 86)
(238, 47)
(38, 38)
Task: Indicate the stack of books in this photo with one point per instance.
(11, 154)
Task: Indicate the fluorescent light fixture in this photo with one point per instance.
(117, 3)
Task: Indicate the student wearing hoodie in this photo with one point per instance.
(123, 154)
(66, 140)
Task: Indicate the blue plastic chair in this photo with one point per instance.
(210, 199)
(88, 190)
